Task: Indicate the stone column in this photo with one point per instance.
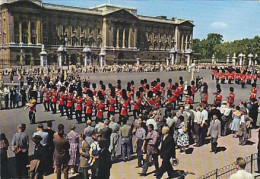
(188, 59)
(38, 29)
(135, 38)
(167, 62)
(104, 33)
(173, 59)
(182, 43)
(123, 43)
(29, 32)
(186, 42)
(11, 29)
(20, 33)
(117, 37)
(176, 38)
(130, 37)
(191, 40)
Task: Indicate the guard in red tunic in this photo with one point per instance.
(175, 96)
(53, 101)
(193, 89)
(111, 103)
(137, 104)
(253, 92)
(100, 105)
(32, 111)
(255, 77)
(243, 80)
(180, 90)
(231, 96)
(132, 88)
(230, 77)
(218, 97)
(46, 102)
(124, 104)
(204, 95)
(170, 84)
(61, 103)
(88, 105)
(170, 102)
(213, 74)
(78, 112)
(188, 99)
(69, 106)
(249, 78)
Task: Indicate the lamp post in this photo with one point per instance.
(256, 62)
(228, 59)
(188, 52)
(43, 56)
(234, 59)
(213, 59)
(102, 60)
(250, 56)
(87, 56)
(172, 54)
(192, 68)
(240, 56)
(62, 52)
(137, 61)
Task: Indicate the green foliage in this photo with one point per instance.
(214, 44)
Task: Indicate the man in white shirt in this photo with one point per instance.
(6, 95)
(198, 127)
(241, 173)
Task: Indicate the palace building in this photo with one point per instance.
(123, 34)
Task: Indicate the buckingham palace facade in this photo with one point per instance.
(124, 36)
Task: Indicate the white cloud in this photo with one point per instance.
(219, 25)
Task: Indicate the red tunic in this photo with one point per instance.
(79, 104)
(124, 108)
(47, 95)
(99, 109)
(111, 104)
(231, 97)
(61, 99)
(188, 100)
(69, 101)
(88, 105)
(54, 97)
(218, 98)
(137, 104)
(193, 89)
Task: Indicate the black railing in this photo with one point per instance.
(227, 171)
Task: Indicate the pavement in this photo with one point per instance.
(199, 160)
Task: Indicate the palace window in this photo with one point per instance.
(82, 41)
(74, 41)
(45, 40)
(34, 38)
(82, 29)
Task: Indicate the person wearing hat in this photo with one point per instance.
(231, 96)
(20, 146)
(38, 160)
(32, 111)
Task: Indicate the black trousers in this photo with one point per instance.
(21, 162)
(110, 113)
(79, 116)
(6, 101)
(136, 113)
(69, 112)
(166, 167)
(32, 117)
(46, 105)
(146, 163)
(61, 107)
(53, 107)
(198, 134)
(88, 116)
(224, 126)
(214, 144)
(139, 152)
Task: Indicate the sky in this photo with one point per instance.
(234, 19)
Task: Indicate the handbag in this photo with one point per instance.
(239, 133)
